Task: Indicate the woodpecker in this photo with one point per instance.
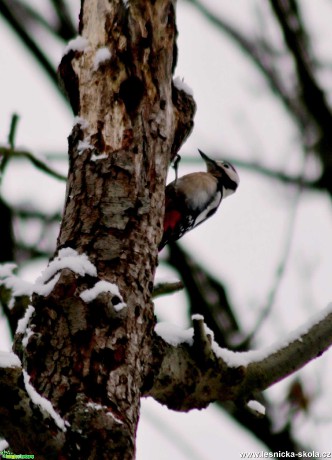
(195, 197)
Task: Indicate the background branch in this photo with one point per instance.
(8, 153)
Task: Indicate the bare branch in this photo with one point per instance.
(11, 141)
(258, 168)
(166, 288)
(257, 53)
(281, 268)
(308, 105)
(26, 38)
(66, 28)
(12, 130)
(290, 21)
(9, 153)
(311, 95)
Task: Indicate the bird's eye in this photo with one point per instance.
(226, 165)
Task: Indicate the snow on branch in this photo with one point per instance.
(256, 407)
(45, 405)
(30, 408)
(67, 258)
(206, 372)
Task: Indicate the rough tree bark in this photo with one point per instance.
(88, 359)
(87, 345)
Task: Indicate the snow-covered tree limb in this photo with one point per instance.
(194, 371)
(21, 405)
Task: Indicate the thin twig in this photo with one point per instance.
(258, 168)
(280, 271)
(7, 152)
(12, 130)
(11, 142)
(24, 213)
(281, 268)
(254, 52)
(66, 28)
(25, 35)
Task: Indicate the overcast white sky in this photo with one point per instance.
(243, 243)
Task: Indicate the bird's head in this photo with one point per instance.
(224, 172)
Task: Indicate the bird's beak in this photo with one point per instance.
(206, 158)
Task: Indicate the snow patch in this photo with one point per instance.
(256, 407)
(103, 286)
(81, 121)
(197, 317)
(103, 156)
(43, 403)
(173, 334)
(182, 86)
(84, 145)
(23, 322)
(102, 55)
(27, 335)
(69, 258)
(9, 359)
(76, 44)
(97, 406)
(47, 288)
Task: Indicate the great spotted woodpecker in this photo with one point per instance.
(193, 198)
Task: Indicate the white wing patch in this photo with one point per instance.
(213, 205)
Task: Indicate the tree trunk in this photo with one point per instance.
(89, 351)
